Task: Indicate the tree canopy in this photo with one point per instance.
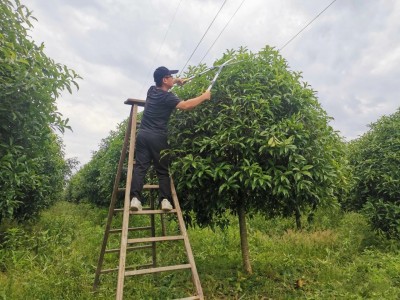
(263, 143)
(375, 158)
(32, 166)
(95, 180)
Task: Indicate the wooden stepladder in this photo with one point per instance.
(136, 244)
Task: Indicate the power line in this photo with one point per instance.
(162, 44)
(257, 54)
(169, 26)
(203, 36)
(226, 25)
(307, 25)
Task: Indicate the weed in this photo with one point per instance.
(338, 257)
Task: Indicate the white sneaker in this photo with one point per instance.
(135, 204)
(166, 205)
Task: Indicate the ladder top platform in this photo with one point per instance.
(135, 101)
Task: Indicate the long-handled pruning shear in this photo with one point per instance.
(199, 74)
(217, 74)
(209, 69)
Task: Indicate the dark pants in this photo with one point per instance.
(148, 148)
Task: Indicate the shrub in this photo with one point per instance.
(31, 158)
(375, 158)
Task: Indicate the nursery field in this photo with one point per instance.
(338, 257)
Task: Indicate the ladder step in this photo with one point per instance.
(152, 212)
(147, 211)
(146, 186)
(108, 271)
(156, 239)
(130, 229)
(156, 270)
(151, 186)
(127, 268)
(117, 250)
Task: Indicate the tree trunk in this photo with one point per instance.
(298, 218)
(243, 239)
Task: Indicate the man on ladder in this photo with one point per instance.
(152, 137)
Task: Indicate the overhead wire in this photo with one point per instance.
(163, 41)
(169, 27)
(209, 26)
(309, 23)
(223, 29)
(297, 33)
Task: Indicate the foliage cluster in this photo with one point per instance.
(94, 182)
(263, 142)
(338, 258)
(51, 258)
(32, 167)
(375, 158)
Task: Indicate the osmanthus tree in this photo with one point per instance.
(375, 159)
(32, 166)
(262, 144)
(94, 182)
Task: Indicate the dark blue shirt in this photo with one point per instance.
(157, 110)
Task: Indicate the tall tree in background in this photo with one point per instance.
(375, 158)
(94, 182)
(31, 156)
(262, 144)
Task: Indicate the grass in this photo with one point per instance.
(339, 257)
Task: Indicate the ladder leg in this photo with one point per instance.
(189, 253)
(125, 220)
(163, 228)
(153, 234)
(112, 204)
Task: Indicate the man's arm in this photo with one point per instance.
(192, 103)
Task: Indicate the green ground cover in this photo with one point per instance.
(339, 257)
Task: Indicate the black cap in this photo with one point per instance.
(161, 72)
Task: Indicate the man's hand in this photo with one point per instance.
(206, 95)
(179, 81)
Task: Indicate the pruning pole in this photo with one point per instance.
(207, 70)
(201, 73)
(217, 74)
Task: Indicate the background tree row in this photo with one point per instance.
(95, 180)
(375, 160)
(32, 165)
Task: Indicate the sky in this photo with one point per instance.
(350, 54)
